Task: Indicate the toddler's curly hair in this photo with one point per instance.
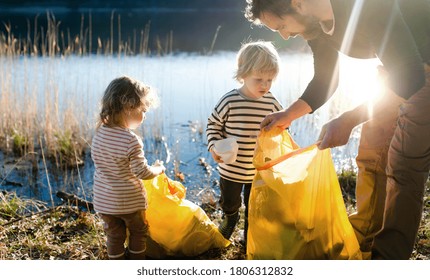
(123, 94)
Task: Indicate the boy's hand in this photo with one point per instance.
(216, 157)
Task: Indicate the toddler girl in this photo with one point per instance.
(120, 164)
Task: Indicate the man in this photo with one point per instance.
(394, 152)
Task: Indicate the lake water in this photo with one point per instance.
(188, 86)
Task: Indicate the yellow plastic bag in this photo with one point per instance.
(179, 226)
(296, 210)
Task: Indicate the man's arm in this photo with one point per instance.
(284, 118)
(319, 90)
(337, 131)
(326, 73)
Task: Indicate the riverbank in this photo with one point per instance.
(31, 230)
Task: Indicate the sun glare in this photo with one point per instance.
(360, 79)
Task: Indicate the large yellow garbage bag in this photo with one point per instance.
(296, 210)
(179, 226)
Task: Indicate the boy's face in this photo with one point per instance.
(257, 84)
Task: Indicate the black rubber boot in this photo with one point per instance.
(244, 239)
(228, 224)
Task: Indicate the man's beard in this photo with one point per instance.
(312, 26)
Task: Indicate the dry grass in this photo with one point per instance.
(422, 246)
(56, 40)
(29, 230)
(63, 232)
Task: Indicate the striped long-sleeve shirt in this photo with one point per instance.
(238, 116)
(120, 163)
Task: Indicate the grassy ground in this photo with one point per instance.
(29, 230)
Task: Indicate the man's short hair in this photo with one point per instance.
(255, 8)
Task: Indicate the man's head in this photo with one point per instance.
(287, 17)
(255, 8)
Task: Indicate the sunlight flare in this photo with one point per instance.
(361, 80)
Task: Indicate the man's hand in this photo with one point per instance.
(277, 119)
(335, 133)
(284, 118)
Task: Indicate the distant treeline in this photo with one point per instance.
(72, 4)
(131, 26)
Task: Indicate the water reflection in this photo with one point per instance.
(188, 85)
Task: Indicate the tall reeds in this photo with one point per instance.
(28, 123)
(52, 40)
